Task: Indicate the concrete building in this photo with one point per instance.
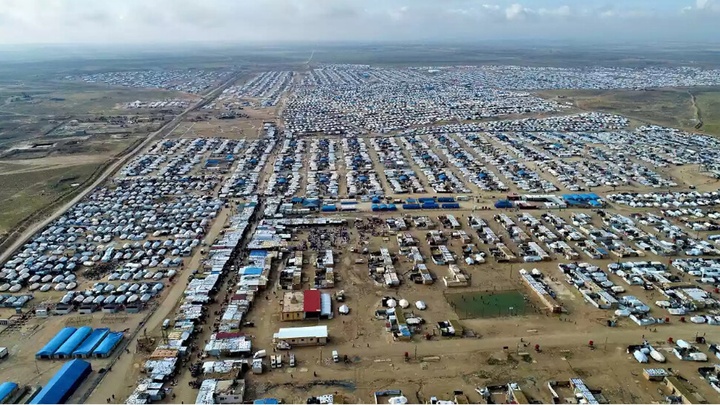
(303, 336)
(292, 306)
(308, 304)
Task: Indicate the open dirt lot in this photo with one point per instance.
(30, 184)
(29, 336)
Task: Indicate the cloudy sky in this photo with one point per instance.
(162, 21)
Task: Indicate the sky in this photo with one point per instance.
(274, 21)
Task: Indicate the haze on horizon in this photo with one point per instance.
(258, 21)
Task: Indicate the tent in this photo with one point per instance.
(344, 309)
(420, 305)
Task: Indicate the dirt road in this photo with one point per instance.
(616, 336)
(120, 381)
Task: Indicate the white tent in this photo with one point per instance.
(344, 309)
(420, 305)
(391, 303)
(398, 400)
(404, 303)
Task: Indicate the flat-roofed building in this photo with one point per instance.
(303, 336)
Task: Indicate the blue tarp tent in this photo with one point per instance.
(6, 389)
(63, 383)
(252, 271)
(258, 253)
(89, 344)
(108, 344)
(73, 342)
(503, 204)
(49, 349)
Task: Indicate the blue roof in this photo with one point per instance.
(586, 196)
(74, 341)
(108, 344)
(252, 271)
(6, 389)
(266, 401)
(258, 253)
(89, 344)
(63, 383)
(56, 342)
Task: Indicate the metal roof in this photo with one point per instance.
(326, 304)
(302, 332)
(6, 389)
(108, 344)
(56, 342)
(74, 341)
(63, 383)
(266, 401)
(91, 342)
(311, 301)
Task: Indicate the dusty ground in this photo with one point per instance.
(21, 367)
(377, 361)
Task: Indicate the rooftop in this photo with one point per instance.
(293, 301)
(320, 331)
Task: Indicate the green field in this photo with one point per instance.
(72, 98)
(668, 107)
(24, 193)
(487, 304)
(709, 104)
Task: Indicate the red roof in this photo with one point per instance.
(311, 301)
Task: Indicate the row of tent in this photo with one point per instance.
(83, 342)
(430, 206)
